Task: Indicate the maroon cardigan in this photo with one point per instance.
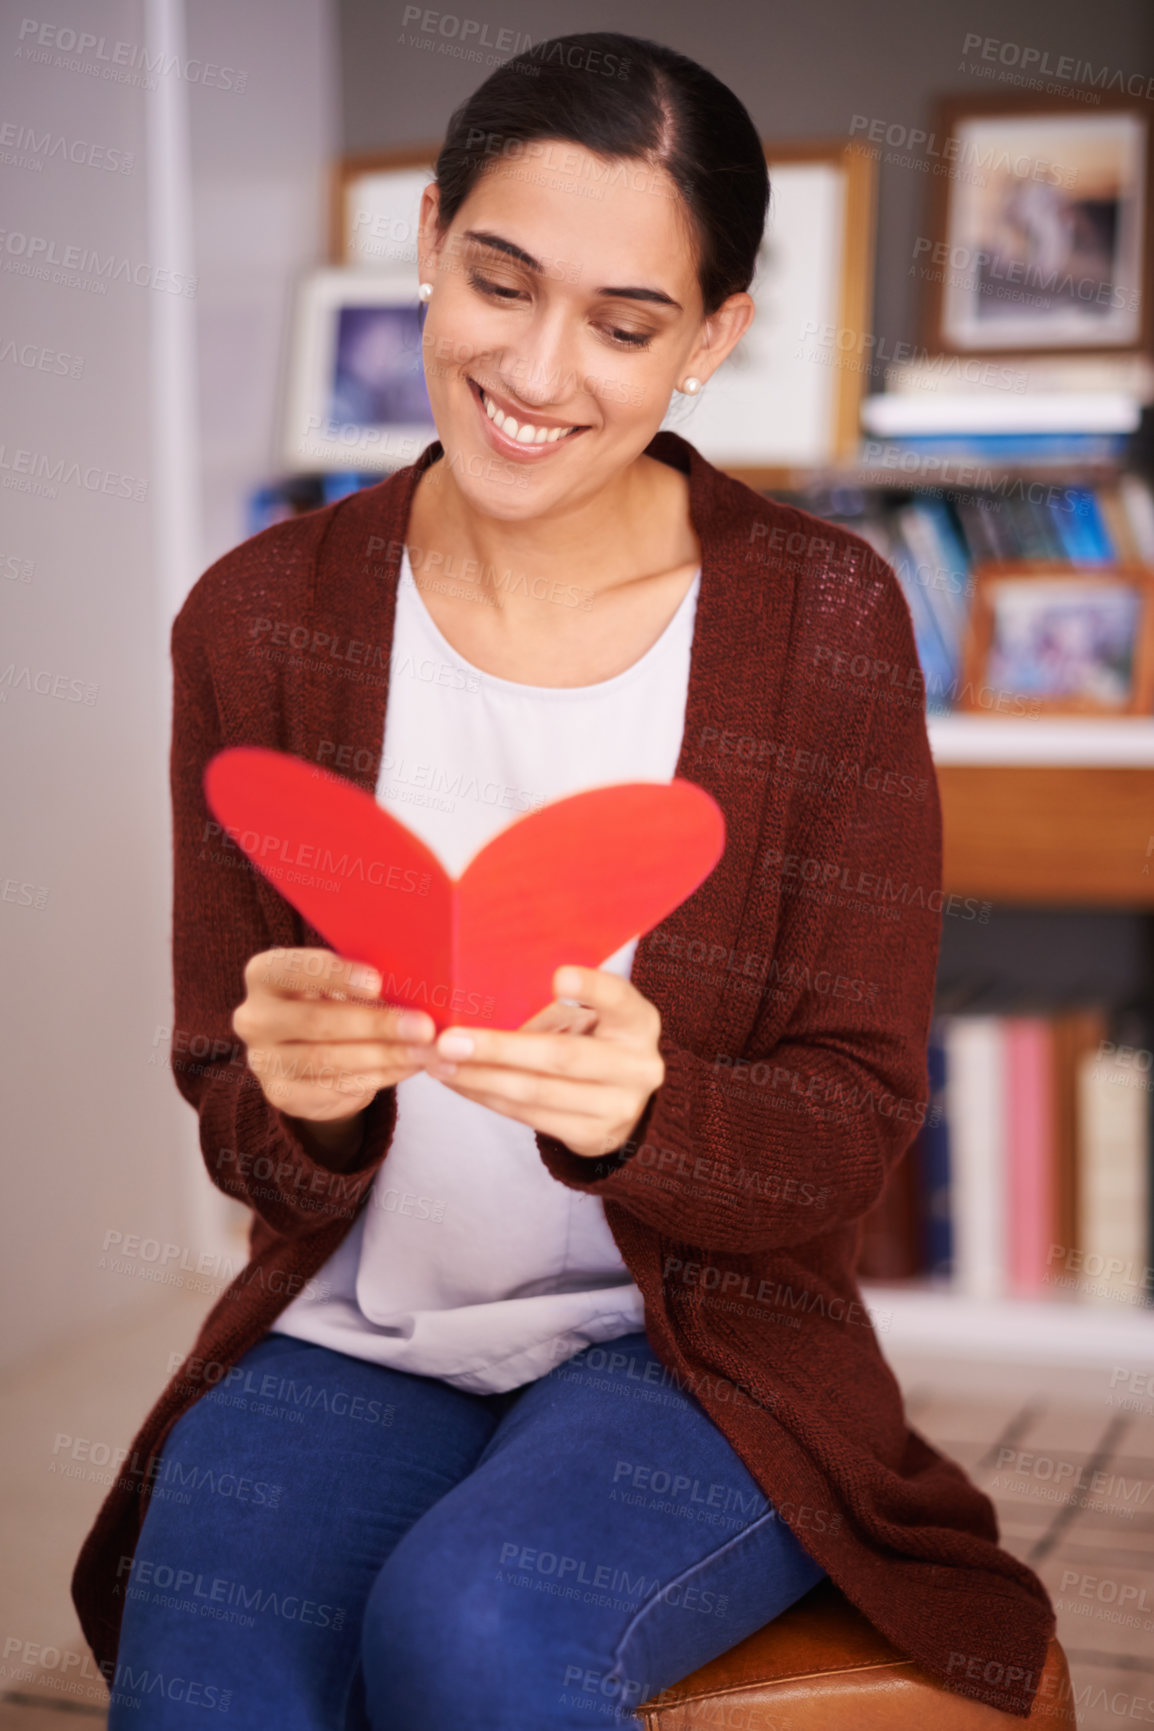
(795, 988)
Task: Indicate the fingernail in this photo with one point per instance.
(365, 980)
(413, 1025)
(455, 1045)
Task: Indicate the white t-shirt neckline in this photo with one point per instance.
(600, 688)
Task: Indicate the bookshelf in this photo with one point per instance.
(1039, 812)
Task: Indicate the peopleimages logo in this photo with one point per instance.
(118, 62)
(36, 252)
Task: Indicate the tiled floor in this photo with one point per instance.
(1071, 1471)
(77, 1403)
(1068, 1460)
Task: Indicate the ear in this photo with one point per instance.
(429, 241)
(720, 334)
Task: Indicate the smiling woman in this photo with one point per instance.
(570, 319)
(554, 1260)
(565, 354)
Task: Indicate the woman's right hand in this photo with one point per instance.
(318, 1039)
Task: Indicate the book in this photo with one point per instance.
(1076, 1032)
(981, 524)
(280, 500)
(930, 530)
(1034, 534)
(1138, 504)
(1029, 1053)
(1113, 1200)
(933, 1158)
(1132, 1028)
(936, 659)
(1082, 527)
(1117, 524)
(976, 1104)
(929, 561)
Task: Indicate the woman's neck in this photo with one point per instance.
(638, 528)
(566, 601)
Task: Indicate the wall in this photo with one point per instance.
(803, 71)
(90, 1128)
(132, 419)
(260, 184)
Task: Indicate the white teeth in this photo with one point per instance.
(523, 432)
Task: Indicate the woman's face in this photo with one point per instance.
(572, 305)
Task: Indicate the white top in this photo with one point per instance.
(469, 1261)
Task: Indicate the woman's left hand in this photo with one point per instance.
(587, 1089)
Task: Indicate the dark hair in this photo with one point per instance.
(625, 97)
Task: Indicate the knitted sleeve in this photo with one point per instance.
(219, 922)
(796, 1134)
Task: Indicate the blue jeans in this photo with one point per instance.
(332, 1545)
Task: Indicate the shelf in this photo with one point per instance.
(1108, 742)
(896, 415)
(1051, 834)
(1018, 1330)
(914, 472)
(1055, 809)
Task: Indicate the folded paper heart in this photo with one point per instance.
(567, 883)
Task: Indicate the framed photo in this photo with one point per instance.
(1067, 639)
(789, 396)
(355, 396)
(376, 200)
(1039, 235)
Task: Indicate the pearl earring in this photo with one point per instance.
(425, 292)
(691, 387)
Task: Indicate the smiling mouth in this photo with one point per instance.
(526, 433)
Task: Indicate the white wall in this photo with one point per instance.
(177, 394)
(260, 174)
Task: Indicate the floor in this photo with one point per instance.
(1067, 1458)
(1069, 1464)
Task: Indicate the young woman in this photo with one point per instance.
(548, 1379)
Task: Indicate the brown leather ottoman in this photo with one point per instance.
(821, 1666)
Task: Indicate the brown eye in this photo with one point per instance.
(496, 291)
(631, 339)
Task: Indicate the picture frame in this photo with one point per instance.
(355, 396)
(1039, 239)
(790, 395)
(1046, 638)
(374, 204)
(788, 399)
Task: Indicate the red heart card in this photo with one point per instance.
(568, 882)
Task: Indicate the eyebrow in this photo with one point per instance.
(499, 244)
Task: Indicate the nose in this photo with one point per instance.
(539, 370)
